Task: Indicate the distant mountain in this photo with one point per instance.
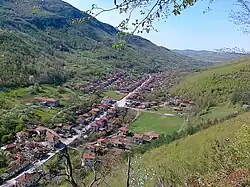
(55, 42)
(209, 56)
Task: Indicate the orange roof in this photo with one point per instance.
(45, 99)
(123, 129)
(88, 156)
(138, 136)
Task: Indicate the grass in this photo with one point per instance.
(212, 154)
(154, 122)
(163, 110)
(218, 112)
(216, 84)
(113, 94)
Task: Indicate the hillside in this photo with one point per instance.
(217, 156)
(210, 56)
(56, 43)
(221, 84)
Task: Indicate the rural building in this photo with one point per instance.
(50, 102)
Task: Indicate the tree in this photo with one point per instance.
(154, 10)
(242, 17)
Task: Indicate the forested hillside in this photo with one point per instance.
(57, 43)
(220, 84)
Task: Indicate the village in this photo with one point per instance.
(37, 144)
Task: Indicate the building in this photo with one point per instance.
(88, 160)
(138, 138)
(50, 102)
(27, 180)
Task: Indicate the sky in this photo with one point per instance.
(191, 30)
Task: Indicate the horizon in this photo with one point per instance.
(199, 33)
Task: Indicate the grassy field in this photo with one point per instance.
(213, 155)
(113, 94)
(154, 122)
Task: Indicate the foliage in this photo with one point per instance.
(46, 45)
(217, 84)
(212, 155)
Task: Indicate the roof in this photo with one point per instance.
(45, 99)
(88, 156)
(9, 146)
(25, 178)
(123, 129)
(67, 127)
(154, 135)
(138, 136)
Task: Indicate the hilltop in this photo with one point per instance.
(226, 83)
(57, 43)
(210, 56)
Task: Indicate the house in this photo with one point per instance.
(52, 139)
(94, 127)
(177, 109)
(154, 135)
(41, 130)
(138, 138)
(21, 136)
(9, 147)
(124, 130)
(117, 143)
(80, 120)
(88, 160)
(27, 180)
(50, 102)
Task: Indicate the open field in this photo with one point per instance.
(157, 123)
(210, 154)
(113, 94)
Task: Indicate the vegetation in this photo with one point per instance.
(46, 46)
(212, 156)
(220, 84)
(161, 124)
(113, 94)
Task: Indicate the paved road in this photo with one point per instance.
(122, 102)
(39, 163)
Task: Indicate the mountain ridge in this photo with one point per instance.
(211, 56)
(45, 36)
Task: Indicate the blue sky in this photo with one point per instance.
(191, 30)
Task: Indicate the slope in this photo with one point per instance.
(210, 56)
(217, 156)
(221, 84)
(52, 40)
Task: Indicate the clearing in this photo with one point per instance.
(161, 124)
(113, 94)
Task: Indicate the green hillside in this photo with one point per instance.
(221, 84)
(56, 43)
(217, 156)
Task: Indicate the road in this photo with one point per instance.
(39, 163)
(122, 102)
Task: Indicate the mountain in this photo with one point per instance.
(209, 56)
(57, 43)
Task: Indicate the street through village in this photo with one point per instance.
(35, 165)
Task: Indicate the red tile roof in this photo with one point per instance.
(138, 136)
(123, 129)
(46, 99)
(88, 156)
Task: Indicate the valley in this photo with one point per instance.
(83, 104)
